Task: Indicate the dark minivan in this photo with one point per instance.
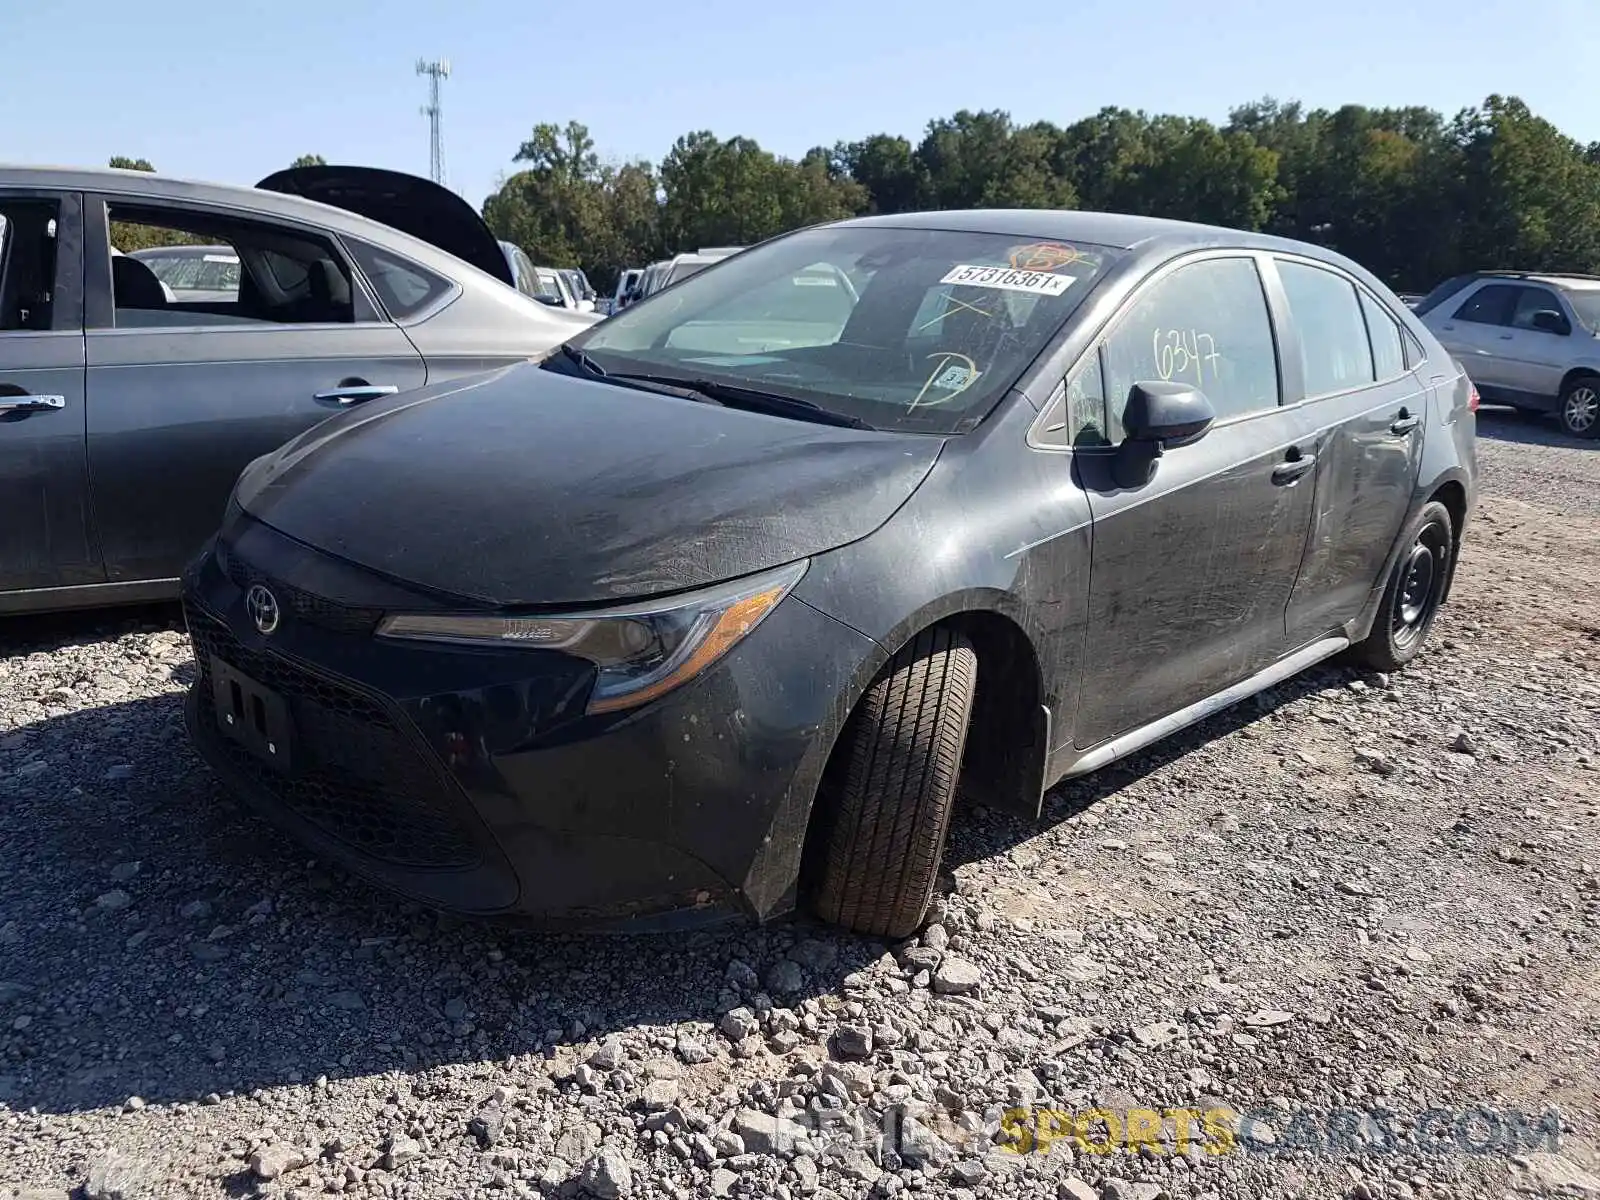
(718, 607)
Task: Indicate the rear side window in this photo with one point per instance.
(27, 263)
(1388, 353)
(1206, 324)
(1492, 304)
(404, 288)
(1334, 352)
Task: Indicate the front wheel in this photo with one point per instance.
(884, 805)
(1580, 407)
(1416, 587)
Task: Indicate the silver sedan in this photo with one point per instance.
(128, 409)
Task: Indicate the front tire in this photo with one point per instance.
(884, 805)
(1415, 589)
(1579, 411)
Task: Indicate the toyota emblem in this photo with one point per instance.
(262, 606)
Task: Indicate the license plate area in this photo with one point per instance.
(254, 716)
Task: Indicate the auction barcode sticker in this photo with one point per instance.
(1038, 283)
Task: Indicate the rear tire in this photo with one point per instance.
(1579, 410)
(1415, 589)
(883, 808)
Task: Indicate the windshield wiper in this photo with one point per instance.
(749, 399)
(574, 355)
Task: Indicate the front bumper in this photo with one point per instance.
(470, 779)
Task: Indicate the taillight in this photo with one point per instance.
(1472, 397)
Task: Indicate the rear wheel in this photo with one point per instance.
(1411, 599)
(1580, 407)
(884, 805)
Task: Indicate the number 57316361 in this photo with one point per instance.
(1184, 354)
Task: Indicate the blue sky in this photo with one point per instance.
(231, 91)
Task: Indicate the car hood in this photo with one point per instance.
(530, 487)
(409, 203)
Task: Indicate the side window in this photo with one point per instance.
(404, 287)
(1537, 299)
(175, 267)
(27, 263)
(1334, 352)
(1206, 324)
(1491, 304)
(1388, 353)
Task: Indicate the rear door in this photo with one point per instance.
(1477, 331)
(182, 395)
(1367, 405)
(1191, 572)
(46, 526)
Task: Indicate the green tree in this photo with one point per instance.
(309, 160)
(122, 162)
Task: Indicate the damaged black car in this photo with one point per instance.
(717, 609)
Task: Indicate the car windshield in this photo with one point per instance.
(1586, 303)
(913, 329)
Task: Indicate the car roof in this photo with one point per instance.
(260, 200)
(1552, 278)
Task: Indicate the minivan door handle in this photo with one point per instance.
(1404, 423)
(356, 393)
(1293, 467)
(31, 403)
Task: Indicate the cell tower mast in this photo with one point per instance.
(437, 72)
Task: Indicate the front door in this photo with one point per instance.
(1478, 333)
(182, 395)
(1191, 572)
(46, 525)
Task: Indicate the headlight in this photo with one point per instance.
(642, 650)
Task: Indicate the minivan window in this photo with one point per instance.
(1205, 324)
(1388, 352)
(1335, 354)
(857, 347)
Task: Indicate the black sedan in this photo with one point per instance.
(717, 608)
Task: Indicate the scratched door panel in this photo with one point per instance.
(1191, 573)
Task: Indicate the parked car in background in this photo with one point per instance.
(627, 286)
(714, 609)
(578, 285)
(203, 274)
(1527, 339)
(128, 409)
(524, 275)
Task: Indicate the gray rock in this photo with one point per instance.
(920, 1146)
(607, 1176)
(1375, 761)
(1073, 1188)
(722, 1181)
(956, 976)
(1157, 1033)
(935, 937)
(399, 1151)
(609, 1056)
(815, 955)
(727, 1143)
(195, 910)
(487, 1125)
(1121, 1189)
(269, 1162)
(113, 901)
(692, 1050)
(742, 975)
(455, 1009)
(785, 977)
(852, 1041)
(920, 958)
(124, 871)
(1266, 1018)
(114, 1176)
(739, 1023)
(347, 1001)
(660, 1094)
(765, 1133)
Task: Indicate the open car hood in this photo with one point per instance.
(409, 203)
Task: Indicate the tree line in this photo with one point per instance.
(1412, 195)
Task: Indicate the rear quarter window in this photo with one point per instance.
(403, 287)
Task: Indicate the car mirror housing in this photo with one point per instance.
(1548, 320)
(1160, 415)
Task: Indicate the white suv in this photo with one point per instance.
(1527, 340)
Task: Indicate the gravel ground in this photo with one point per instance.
(1354, 895)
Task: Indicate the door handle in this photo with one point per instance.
(1505, 337)
(357, 393)
(32, 403)
(1404, 424)
(1292, 468)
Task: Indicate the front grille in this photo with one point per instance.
(358, 777)
(313, 610)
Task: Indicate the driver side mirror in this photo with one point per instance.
(1549, 320)
(1160, 416)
